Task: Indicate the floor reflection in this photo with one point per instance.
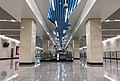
(8, 69)
(111, 69)
(53, 71)
(83, 69)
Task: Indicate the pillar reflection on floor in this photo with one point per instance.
(51, 71)
(8, 69)
(61, 71)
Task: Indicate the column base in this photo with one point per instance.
(9, 58)
(76, 58)
(26, 63)
(56, 61)
(95, 63)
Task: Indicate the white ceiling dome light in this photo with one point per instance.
(65, 5)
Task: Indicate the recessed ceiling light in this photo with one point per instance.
(107, 20)
(48, 33)
(13, 20)
(56, 24)
(64, 31)
(99, 26)
(22, 27)
(40, 76)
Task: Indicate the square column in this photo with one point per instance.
(27, 41)
(45, 45)
(94, 41)
(70, 48)
(76, 53)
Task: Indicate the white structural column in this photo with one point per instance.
(76, 53)
(70, 48)
(94, 41)
(45, 44)
(27, 41)
(50, 46)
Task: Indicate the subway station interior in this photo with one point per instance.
(59, 40)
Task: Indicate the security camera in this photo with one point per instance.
(65, 5)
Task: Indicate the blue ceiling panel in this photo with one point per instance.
(59, 15)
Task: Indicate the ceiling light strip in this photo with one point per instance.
(53, 6)
(12, 20)
(66, 15)
(65, 1)
(116, 20)
(3, 20)
(56, 24)
(9, 29)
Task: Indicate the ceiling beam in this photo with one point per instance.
(88, 6)
(33, 6)
(13, 35)
(4, 30)
(108, 35)
(110, 29)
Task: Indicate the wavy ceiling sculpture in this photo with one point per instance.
(58, 14)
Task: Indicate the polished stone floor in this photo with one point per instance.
(60, 71)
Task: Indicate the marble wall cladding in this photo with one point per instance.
(94, 41)
(28, 40)
(45, 44)
(76, 53)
